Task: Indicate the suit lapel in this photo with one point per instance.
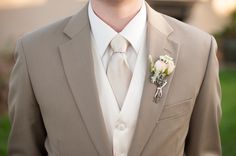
(77, 60)
(158, 43)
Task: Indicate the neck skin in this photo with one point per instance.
(116, 13)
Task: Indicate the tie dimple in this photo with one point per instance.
(118, 71)
(119, 44)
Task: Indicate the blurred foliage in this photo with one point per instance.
(227, 40)
(230, 30)
(6, 63)
(4, 132)
(228, 124)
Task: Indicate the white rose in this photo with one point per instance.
(170, 68)
(160, 66)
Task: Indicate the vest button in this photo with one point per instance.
(121, 126)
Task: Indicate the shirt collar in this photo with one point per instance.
(103, 33)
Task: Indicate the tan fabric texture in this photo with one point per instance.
(53, 101)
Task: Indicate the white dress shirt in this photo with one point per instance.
(103, 34)
(120, 124)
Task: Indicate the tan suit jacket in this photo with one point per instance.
(53, 100)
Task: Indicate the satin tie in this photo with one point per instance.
(118, 71)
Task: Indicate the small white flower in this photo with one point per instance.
(160, 66)
(153, 79)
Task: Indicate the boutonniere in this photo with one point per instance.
(159, 70)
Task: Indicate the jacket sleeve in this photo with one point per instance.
(27, 134)
(204, 135)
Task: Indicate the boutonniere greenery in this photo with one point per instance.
(159, 71)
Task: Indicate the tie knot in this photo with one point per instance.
(119, 44)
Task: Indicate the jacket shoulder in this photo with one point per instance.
(186, 32)
(47, 32)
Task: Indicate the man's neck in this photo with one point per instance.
(116, 13)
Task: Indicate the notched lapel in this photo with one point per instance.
(158, 43)
(77, 61)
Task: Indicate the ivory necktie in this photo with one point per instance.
(118, 71)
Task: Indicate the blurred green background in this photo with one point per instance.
(228, 123)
